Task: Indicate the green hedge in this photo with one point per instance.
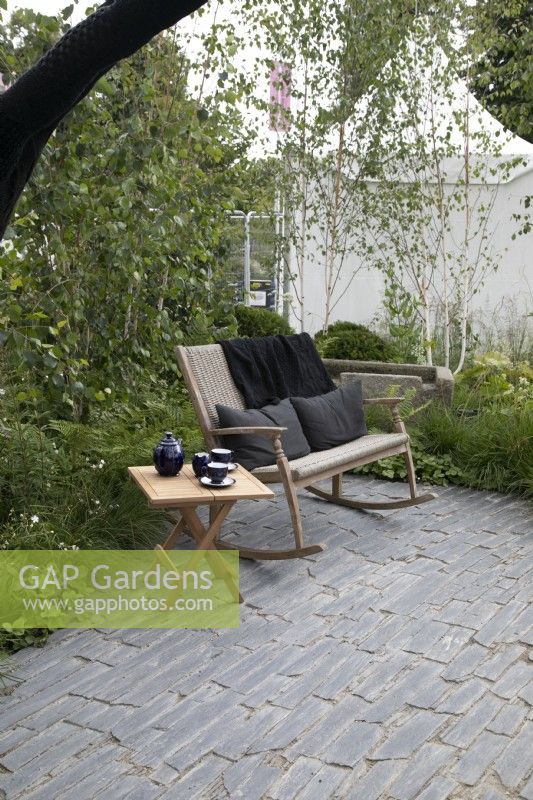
(260, 322)
(347, 340)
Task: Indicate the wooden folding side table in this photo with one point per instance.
(185, 493)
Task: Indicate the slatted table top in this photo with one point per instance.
(186, 490)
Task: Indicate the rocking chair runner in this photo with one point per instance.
(209, 381)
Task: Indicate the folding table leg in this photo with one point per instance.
(174, 534)
(206, 538)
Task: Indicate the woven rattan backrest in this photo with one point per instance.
(209, 381)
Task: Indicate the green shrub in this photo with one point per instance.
(494, 379)
(253, 321)
(439, 470)
(64, 485)
(491, 450)
(347, 340)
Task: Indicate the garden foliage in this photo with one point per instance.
(260, 322)
(484, 440)
(110, 261)
(351, 341)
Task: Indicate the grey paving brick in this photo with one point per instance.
(478, 758)
(295, 778)
(421, 687)
(323, 784)
(527, 791)
(492, 631)
(439, 789)
(292, 726)
(298, 688)
(96, 784)
(513, 680)
(494, 666)
(421, 592)
(135, 787)
(237, 738)
(426, 637)
(516, 761)
(27, 775)
(408, 737)
(429, 759)
(33, 747)
(463, 732)
(344, 675)
(509, 719)
(129, 725)
(451, 644)
(44, 695)
(380, 675)
(462, 697)
(253, 785)
(97, 715)
(526, 693)
(465, 663)
(266, 690)
(352, 745)
(372, 785)
(12, 738)
(200, 743)
(196, 782)
(76, 771)
(334, 721)
(55, 712)
(383, 630)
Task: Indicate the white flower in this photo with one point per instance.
(34, 519)
(75, 547)
(2, 392)
(61, 545)
(97, 502)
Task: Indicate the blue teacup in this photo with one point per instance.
(222, 456)
(216, 471)
(199, 463)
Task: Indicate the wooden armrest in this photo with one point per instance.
(383, 401)
(271, 433)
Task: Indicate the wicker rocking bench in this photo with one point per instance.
(209, 382)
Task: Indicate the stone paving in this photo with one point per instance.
(394, 665)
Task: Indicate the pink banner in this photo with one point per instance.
(280, 96)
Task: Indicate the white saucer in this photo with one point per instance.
(231, 467)
(205, 481)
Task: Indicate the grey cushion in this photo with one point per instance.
(256, 451)
(331, 419)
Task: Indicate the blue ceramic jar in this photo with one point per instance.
(199, 464)
(169, 456)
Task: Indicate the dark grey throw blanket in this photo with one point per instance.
(266, 368)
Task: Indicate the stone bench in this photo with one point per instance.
(429, 383)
